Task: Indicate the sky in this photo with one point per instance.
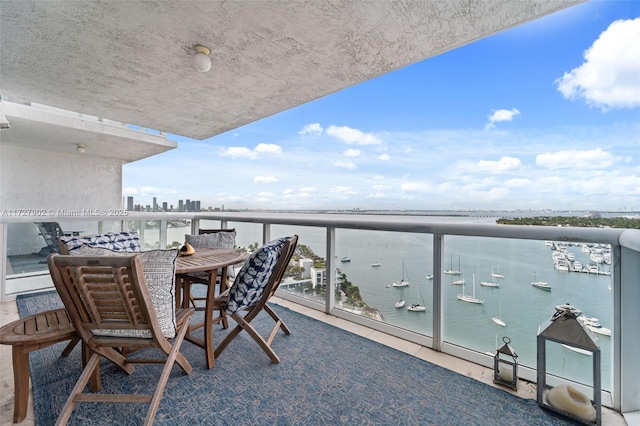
(542, 116)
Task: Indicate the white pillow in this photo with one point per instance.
(159, 268)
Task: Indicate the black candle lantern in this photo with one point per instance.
(505, 366)
(564, 328)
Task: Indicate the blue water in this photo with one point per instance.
(524, 308)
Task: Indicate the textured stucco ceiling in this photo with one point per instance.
(132, 61)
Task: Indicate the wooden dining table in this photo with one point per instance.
(208, 261)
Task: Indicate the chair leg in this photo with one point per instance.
(72, 344)
(277, 319)
(86, 375)
(174, 355)
(244, 325)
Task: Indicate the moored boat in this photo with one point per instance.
(540, 284)
(470, 299)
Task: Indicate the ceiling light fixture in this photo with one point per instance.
(80, 148)
(201, 60)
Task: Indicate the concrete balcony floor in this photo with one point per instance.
(9, 312)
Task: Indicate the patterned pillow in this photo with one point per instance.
(213, 240)
(254, 275)
(122, 241)
(159, 268)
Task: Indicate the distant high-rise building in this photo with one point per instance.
(180, 205)
(164, 206)
(130, 204)
(197, 206)
(187, 205)
(155, 205)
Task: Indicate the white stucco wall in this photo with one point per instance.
(48, 180)
(38, 179)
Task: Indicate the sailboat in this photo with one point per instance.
(400, 303)
(472, 298)
(498, 320)
(418, 307)
(543, 285)
(492, 283)
(402, 282)
(496, 274)
(457, 282)
(452, 271)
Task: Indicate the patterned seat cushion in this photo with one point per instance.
(226, 239)
(121, 241)
(159, 268)
(254, 275)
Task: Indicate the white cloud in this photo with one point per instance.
(353, 136)
(383, 157)
(243, 152)
(147, 191)
(517, 183)
(129, 191)
(288, 191)
(313, 129)
(343, 190)
(352, 152)
(609, 77)
(381, 187)
(309, 189)
(504, 164)
(265, 179)
(376, 195)
(501, 115)
(268, 148)
(572, 159)
(345, 164)
(238, 152)
(416, 187)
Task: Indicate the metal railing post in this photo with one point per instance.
(438, 314)
(330, 271)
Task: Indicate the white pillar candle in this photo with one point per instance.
(505, 374)
(569, 399)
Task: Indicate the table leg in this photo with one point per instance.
(208, 318)
(20, 382)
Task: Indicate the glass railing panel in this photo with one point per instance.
(504, 271)
(176, 230)
(392, 272)
(29, 244)
(248, 235)
(308, 278)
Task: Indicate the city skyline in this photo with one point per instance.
(542, 116)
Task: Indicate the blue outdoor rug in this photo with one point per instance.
(326, 376)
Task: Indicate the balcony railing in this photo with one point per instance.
(422, 250)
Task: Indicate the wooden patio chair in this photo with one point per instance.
(220, 238)
(66, 242)
(256, 282)
(111, 307)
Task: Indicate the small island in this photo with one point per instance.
(307, 274)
